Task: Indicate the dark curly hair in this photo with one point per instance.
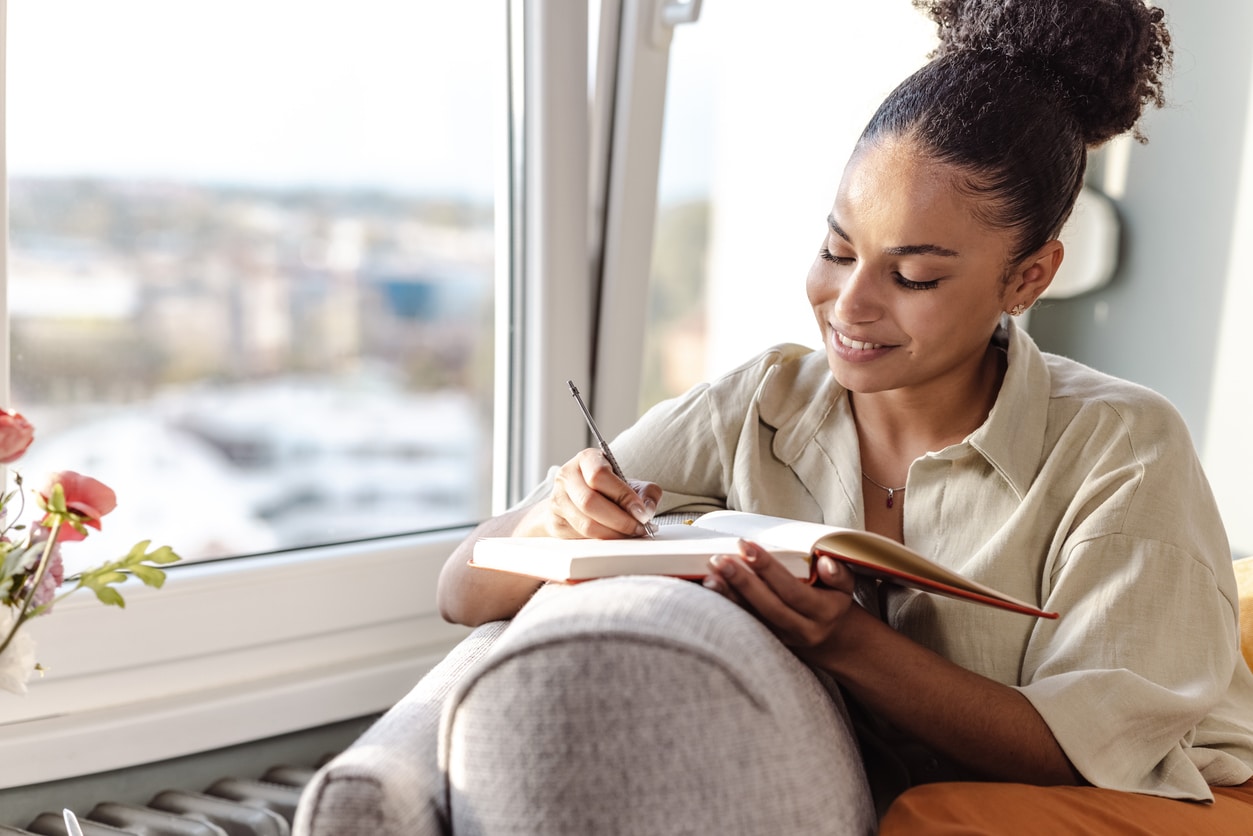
(1017, 92)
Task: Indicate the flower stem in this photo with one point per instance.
(24, 613)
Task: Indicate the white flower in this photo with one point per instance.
(17, 662)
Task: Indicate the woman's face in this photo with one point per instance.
(908, 286)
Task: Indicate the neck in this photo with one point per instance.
(900, 425)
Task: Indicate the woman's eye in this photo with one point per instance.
(826, 255)
(912, 285)
(908, 284)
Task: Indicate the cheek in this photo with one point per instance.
(817, 287)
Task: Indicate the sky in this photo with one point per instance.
(398, 94)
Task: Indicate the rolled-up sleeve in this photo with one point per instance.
(1145, 650)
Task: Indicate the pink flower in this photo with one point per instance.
(16, 434)
(51, 581)
(87, 498)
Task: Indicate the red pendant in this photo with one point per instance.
(891, 491)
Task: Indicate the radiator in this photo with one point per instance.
(229, 807)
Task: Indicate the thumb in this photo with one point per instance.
(834, 574)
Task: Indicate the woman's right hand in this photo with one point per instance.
(589, 502)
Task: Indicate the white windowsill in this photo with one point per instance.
(226, 653)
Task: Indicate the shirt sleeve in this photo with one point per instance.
(1145, 649)
(675, 444)
(688, 445)
(1145, 655)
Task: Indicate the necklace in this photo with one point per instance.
(891, 491)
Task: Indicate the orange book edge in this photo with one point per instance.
(927, 584)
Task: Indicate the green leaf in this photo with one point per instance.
(163, 555)
(150, 575)
(136, 553)
(113, 573)
(56, 502)
(103, 576)
(109, 596)
(138, 562)
(21, 560)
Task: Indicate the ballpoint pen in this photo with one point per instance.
(649, 528)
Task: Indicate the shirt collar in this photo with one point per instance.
(801, 399)
(797, 399)
(1012, 437)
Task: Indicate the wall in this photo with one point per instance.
(1158, 322)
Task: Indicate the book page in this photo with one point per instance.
(863, 551)
(793, 535)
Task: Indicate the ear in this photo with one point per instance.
(1034, 274)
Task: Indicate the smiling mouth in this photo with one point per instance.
(857, 345)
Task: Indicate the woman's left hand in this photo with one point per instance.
(805, 617)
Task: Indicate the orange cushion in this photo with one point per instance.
(1244, 580)
(980, 809)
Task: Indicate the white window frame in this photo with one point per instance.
(247, 648)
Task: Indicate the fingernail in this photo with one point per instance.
(640, 513)
(710, 582)
(723, 565)
(826, 564)
(750, 554)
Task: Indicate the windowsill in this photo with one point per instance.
(226, 653)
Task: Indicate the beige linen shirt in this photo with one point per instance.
(1081, 492)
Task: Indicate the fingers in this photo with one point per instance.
(649, 493)
(717, 580)
(800, 614)
(589, 500)
(835, 575)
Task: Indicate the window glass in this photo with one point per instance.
(752, 153)
(251, 260)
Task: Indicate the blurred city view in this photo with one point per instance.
(255, 296)
(250, 265)
(253, 368)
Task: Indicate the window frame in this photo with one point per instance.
(228, 651)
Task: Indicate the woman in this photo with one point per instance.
(934, 420)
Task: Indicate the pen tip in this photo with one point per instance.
(573, 389)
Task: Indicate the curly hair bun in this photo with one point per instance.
(1105, 59)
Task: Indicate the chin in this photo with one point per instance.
(855, 380)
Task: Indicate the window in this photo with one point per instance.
(251, 286)
(251, 264)
(752, 153)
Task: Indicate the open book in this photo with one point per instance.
(684, 551)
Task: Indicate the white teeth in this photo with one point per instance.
(856, 344)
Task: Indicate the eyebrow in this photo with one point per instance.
(907, 249)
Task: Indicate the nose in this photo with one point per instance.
(857, 297)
